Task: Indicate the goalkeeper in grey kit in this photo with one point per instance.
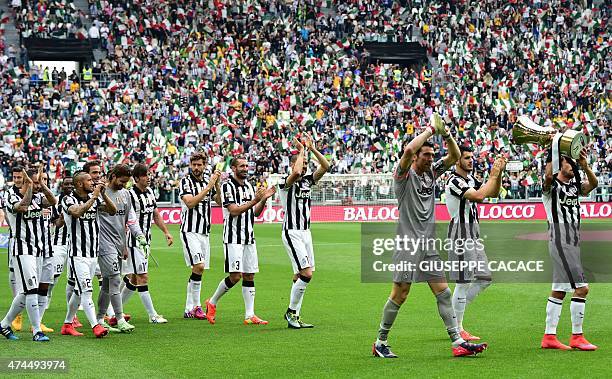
(113, 247)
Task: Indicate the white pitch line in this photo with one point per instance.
(278, 245)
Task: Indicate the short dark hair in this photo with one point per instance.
(120, 171)
(87, 166)
(234, 161)
(198, 156)
(78, 176)
(140, 170)
(16, 169)
(31, 172)
(425, 144)
(465, 149)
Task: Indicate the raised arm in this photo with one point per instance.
(298, 166)
(548, 178)
(259, 207)
(108, 206)
(236, 210)
(192, 201)
(323, 162)
(78, 210)
(453, 151)
(411, 149)
(49, 200)
(26, 201)
(592, 182)
(492, 186)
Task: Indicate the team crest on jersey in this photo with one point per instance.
(571, 191)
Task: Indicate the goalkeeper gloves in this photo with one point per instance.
(143, 245)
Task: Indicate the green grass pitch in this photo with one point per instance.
(346, 312)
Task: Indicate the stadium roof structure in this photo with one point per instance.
(402, 53)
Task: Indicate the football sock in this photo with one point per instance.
(196, 288)
(553, 312)
(445, 309)
(31, 301)
(69, 290)
(577, 306)
(115, 296)
(145, 297)
(103, 300)
(43, 298)
(297, 293)
(221, 290)
(73, 306)
(16, 307)
(475, 288)
(459, 302)
(89, 308)
(389, 314)
(248, 294)
(188, 300)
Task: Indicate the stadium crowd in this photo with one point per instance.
(245, 76)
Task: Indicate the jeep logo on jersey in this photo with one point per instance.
(90, 215)
(302, 193)
(425, 191)
(572, 202)
(31, 214)
(120, 212)
(426, 185)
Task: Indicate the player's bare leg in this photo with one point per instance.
(399, 293)
(300, 282)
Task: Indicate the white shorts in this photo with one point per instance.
(298, 244)
(109, 265)
(83, 270)
(196, 249)
(47, 270)
(136, 263)
(60, 257)
(241, 258)
(26, 272)
(567, 287)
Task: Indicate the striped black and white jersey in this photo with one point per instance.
(237, 229)
(7, 216)
(83, 232)
(562, 207)
(463, 212)
(296, 202)
(28, 236)
(60, 235)
(143, 205)
(45, 227)
(196, 219)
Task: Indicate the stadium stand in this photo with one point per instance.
(230, 76)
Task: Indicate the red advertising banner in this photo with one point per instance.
(377, 213)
